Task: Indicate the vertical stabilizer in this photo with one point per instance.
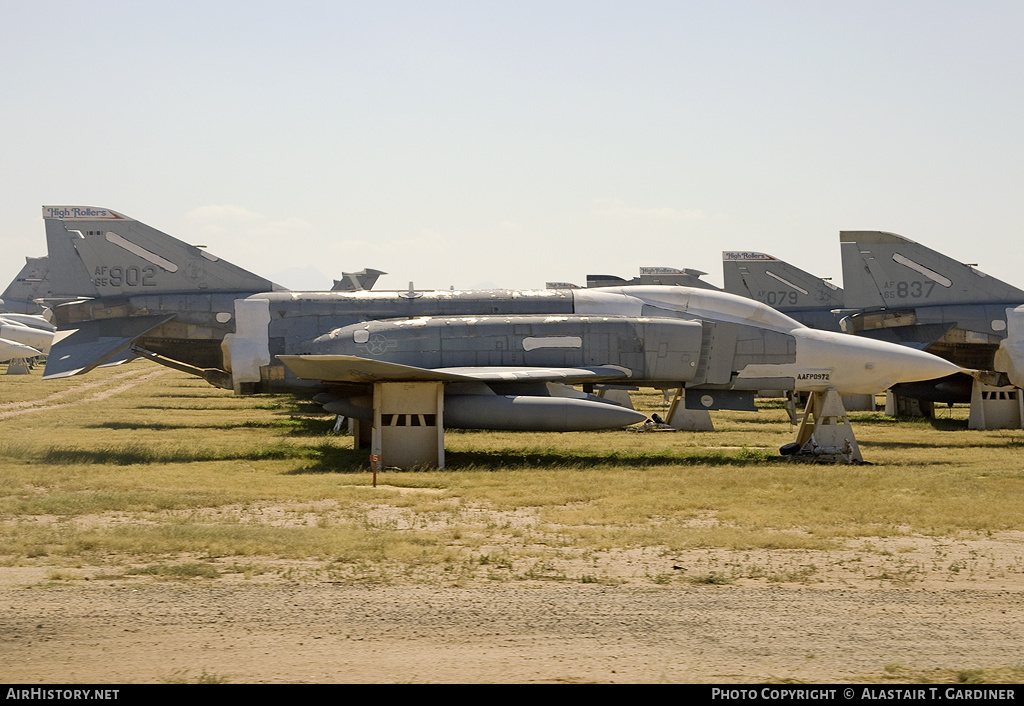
(30, 284)
(884, 270)
(99, 252)
(776, 283)
(357, 281)
(69, 276)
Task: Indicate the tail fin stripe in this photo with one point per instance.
(785, 282)
(921, 269)
(141, 252)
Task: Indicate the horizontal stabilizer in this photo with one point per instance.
(94, 343)
(346, 368)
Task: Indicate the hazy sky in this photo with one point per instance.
(511, 143)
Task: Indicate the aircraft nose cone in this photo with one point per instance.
(864, 365)
(914, 365)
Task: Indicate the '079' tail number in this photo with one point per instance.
(773, 298)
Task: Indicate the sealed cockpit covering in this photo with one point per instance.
(718, 352)
(247, 350)
(673, 350)
(1010, 356)
(755, 346)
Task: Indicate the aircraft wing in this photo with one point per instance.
(95, 343)
(347, 368)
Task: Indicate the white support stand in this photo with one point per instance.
(408, 425)
(859, 403)
(361, 432)
(685, 419)
(900, 406)
(618, 396)
(17, 366)
(996, 407)
(825, 433)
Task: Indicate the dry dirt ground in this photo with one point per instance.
(845, 626)
(901, 608)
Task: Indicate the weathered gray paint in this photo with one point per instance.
(913, 295)
(520, 343)
(793, 291)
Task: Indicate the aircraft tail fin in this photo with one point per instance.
(667, 276)
(357, 281)
(776, 283)
(884, 270)
(31, 283)
(99, 252)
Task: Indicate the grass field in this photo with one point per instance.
(141, 471)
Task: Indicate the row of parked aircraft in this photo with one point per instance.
(407, 364)
(25, 331)
(896, 290)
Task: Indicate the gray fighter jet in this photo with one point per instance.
(413, 362)
(903, 292)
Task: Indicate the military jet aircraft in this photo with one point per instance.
(903, 292)
(505, 359)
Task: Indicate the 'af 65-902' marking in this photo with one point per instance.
(117, 276)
